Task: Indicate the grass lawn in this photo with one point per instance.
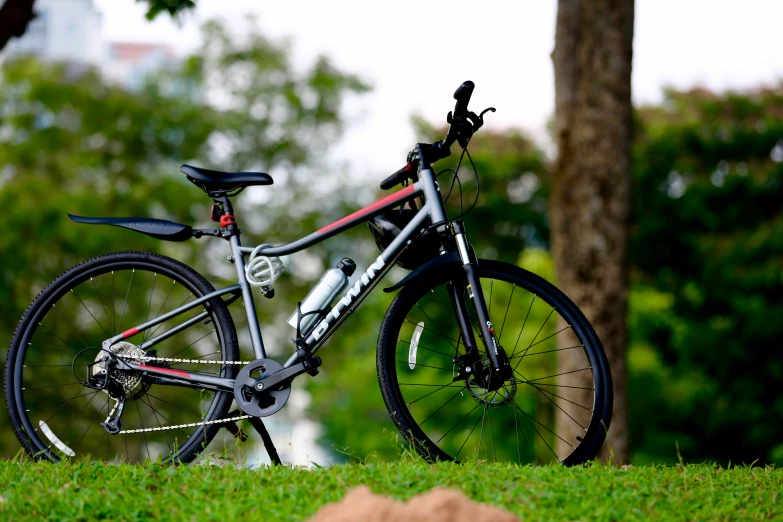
(81, 491)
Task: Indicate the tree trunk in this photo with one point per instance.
(14, 17)
(591, 185)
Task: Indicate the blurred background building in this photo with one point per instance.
(71, 31)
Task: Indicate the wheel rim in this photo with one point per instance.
(540, 415)
(62, 417)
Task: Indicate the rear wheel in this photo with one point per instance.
(58, 341)
(432, 387)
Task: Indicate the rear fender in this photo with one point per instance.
(157, 228)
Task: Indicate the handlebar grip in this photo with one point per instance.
(462, 95)
(396, 178)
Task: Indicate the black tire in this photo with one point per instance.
(65, 339)
(428, 354)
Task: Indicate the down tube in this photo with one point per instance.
(357, 293)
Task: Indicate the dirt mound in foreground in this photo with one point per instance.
(438, 505)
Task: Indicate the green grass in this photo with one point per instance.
(81, 491)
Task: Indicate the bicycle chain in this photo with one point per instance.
(178, 426)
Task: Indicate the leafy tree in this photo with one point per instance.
(72, 142)
(707, 252)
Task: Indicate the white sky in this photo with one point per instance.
(503, 46)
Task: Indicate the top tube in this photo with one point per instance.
(360, 216)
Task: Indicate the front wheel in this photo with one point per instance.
(555, 408)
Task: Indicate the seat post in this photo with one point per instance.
(239, 263)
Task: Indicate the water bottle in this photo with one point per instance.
(324, 293)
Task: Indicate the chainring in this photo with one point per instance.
(255, 402)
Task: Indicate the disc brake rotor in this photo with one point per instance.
(490, 398)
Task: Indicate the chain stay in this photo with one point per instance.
(178, 426)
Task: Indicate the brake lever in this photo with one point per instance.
(478, 121)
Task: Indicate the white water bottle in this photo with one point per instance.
(323, 294)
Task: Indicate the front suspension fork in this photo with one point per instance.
(497, 356)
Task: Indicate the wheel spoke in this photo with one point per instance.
(441, 407)
(523, 325)
(468, 437)
(427, 366)
(435, 332)
(529, 418)
(428, 349)
(478, 405)
(102, 305)
(549, 351)
(513, 287)
(449, 385)
(194, 342)
(534, 337)
(559, 397)
(149, 306)
(433, 324)
(558, 374)
(89, 312)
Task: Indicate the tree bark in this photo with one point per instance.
(590, 199)
(14, 17)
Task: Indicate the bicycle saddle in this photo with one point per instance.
(213, 180)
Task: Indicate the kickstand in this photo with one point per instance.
(258, 424)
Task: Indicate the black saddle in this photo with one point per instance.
(216, 181)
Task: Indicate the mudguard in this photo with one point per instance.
(157, 228)
(436, 263)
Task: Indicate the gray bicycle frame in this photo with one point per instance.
(433, 207)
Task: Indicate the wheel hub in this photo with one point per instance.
(493, 398)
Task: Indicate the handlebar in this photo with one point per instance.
(396, 178)
(462, 95)
(462, 125)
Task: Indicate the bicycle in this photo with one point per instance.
(146, 345)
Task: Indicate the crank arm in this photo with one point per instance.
(286, 374)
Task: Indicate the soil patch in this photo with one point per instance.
(437, 505)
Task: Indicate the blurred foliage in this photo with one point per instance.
(172, 7)
(707, 252)
(72, 142)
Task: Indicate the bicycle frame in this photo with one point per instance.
(433, 208)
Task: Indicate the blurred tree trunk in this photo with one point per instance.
(14, 17)
(590, 199)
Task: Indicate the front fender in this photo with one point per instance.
(437, 263)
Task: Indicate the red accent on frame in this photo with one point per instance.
(170, 371)
(129, 333)
(226, 220)
(400, 194)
